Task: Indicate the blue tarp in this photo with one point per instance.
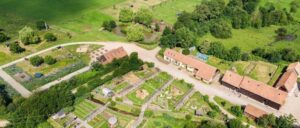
(38, 75)
(202, 56)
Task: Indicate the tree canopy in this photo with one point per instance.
(28, 36)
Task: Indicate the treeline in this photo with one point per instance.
(28, 113)
(219, 18)
(277, 55)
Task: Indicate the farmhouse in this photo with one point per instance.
(109, 56)
(255, 89)
(253, 112)
(200, 70)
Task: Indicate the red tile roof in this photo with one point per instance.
(287, 80)
(254, 111)
(112, 54)
(232, 78)
(294, 66)
(263, 90)
(205, 71)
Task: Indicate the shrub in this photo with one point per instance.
(135, 33)
(221, 29)
(143, 16)
(188, 117)
(245, 57)
(237, 110)
(150, 64)
(3, 37)
(126, 15)
(212, 114)
(223, 103)
(36, 60)
(50, 37)
(40, 25)
(16, 48)
(186, 51)
(206, 98)
(109, 25)
(214, 107)
(28, 36)
(148, 113)
(235, 123)
(50, 60)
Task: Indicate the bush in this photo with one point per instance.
(135, 33)
(50, 60)
(109, 25)
(186, 51)
(40, 25)
(148, 113)
(214, 107)
(126, 15)
(28, 36)
(143, 16)
(237, 110)
(150, 64)
(16, 48)
(3, 37)
(235, 123)
(50, 37)
(223, 103)
(245, 57)
(188, 117)
(36, 61)
(212, 114)
(206, 98)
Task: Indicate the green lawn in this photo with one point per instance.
(167, 10)
(150, 86)
(164, 121)
(84, 108)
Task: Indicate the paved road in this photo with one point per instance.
(17, 86)
(147, 55)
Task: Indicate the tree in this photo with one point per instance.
(109, 25)
(16, 48)
(245, 57)
(185, 38)
(36, 61)
(281, 33)
(267, 121)
(273, 56)
(3, 37)
(50, 37)
(126, 15)
(211, 124)
(143, 16)
(235, 123)
(220, 29)
(239, 18)
(204, 47)
(234, 54)
(285, 121)
(135, 33)
(167, 31)
(41, 25)
(212, 114)
(50, 60)
(217, 49)
(259, 52)
(168, 41)
(28, 36)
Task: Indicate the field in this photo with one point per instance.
(101, 120)
(167, 11)
(171, 96)
(164, 121)
(145, 90)
(84, 108)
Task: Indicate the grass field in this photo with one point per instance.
(164, 121)
(168, 10)
(148, 88)
(84, 108)
(170, 97)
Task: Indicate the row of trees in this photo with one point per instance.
(28, 36)
(271, 121)
(277, 55)
(182, 37)
(38, 60)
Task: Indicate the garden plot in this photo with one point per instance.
(172, 95)
(263, 71)
(140, 95)
(145, 73)
(195, 102)
(101, 120)
(85, 108)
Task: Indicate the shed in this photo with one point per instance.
(112, 121)
(59, 115)
(199, 112)
(107, 92)
(201, 56)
